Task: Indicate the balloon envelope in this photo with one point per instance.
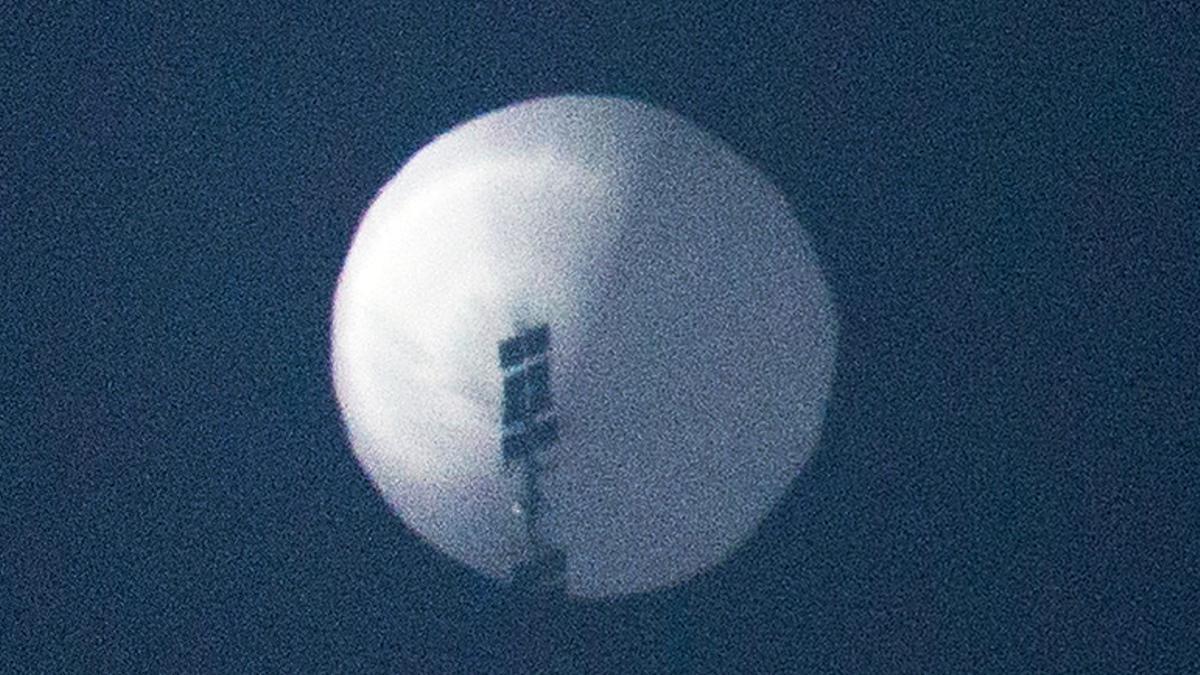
(693, 339)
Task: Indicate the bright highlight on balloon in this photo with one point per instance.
(694, 339)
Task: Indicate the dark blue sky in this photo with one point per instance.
(1004, 201)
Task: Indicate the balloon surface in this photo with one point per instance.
(693, 339)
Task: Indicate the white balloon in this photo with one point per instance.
(693, 339)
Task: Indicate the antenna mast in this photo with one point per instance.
(528, 430)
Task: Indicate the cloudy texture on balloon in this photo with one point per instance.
(693, 338)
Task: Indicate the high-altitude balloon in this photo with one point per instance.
(693, 339)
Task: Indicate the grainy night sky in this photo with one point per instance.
(1003, 202)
